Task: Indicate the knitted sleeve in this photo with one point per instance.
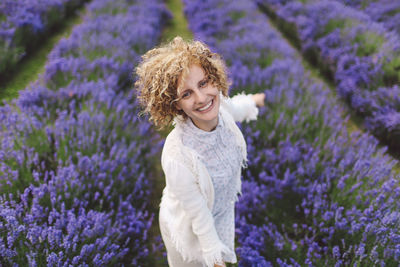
(241, 107)
(183, 185)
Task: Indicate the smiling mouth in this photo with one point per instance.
(206, 107)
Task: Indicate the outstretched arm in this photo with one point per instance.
(243, 107)
(259, 99)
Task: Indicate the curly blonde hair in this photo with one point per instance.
(162, 67)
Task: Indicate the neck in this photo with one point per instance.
(208, 127)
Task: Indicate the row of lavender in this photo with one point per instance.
(23, 23)
(360, 55)
(74, 157)
(384, 11)
(313, 193)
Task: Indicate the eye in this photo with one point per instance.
(186, 94)
(203, 83)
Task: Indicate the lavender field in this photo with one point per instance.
(80, 171)
(75, 159)
(359, 49)
(24, 23)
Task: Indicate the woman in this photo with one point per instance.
(185, 84)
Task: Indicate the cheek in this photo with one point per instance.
(212, 90)
(215, 89)
(180, 104)
(216, 93)
(183, 105)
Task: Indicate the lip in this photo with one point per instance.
(209, 108)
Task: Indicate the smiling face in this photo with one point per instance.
(199, 98)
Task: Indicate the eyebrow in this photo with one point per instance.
(206, 78)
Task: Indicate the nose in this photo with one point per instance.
(201, 97)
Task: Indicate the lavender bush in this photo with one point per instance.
(23, 23)
(384, 11)
(313, 193)
(75, 160)
(360, 55)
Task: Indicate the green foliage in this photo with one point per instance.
(178, 25)
(393, 12)
(334, 24)
(391, 71)
(9, 56)
(290, 30)
(366, 3)
(20, 172)
(237, 15)
(60, 79)
(111, 9)
(15, 185)
(25, 36)
(265, 60)
(369, 43)
(54, 16)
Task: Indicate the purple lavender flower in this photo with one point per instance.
(74, 162)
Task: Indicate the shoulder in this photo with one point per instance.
(172, 145)
(226, 108)
(225, 114)
(178, 161)
(175, 152)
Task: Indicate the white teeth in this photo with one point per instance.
(206, 107)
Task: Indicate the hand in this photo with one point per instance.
(220, 264)
(259, 99)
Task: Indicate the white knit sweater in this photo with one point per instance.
(188, 198)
